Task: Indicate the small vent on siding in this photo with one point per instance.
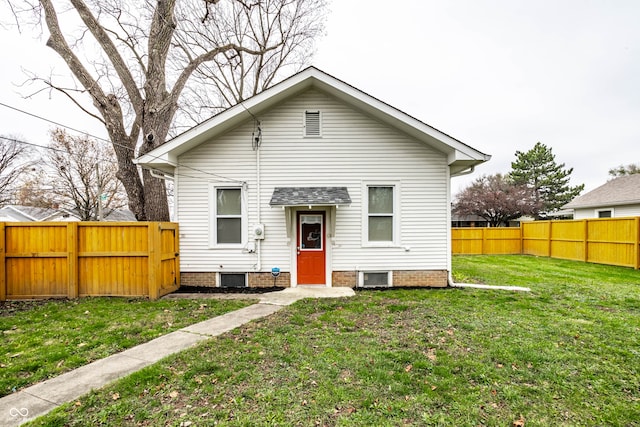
(312, 123)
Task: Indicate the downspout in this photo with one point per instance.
(258, 210)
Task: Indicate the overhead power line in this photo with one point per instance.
(108, 141)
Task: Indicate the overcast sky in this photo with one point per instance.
(498, 75)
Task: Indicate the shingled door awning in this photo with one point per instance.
(310, 196)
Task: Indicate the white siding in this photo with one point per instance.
(618, 211)
(353, 150)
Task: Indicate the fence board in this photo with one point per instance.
(42, 260)
(613, 241)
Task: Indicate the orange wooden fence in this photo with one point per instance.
(78, 259)
(612, 241)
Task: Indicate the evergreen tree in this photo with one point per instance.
(622, 170)
(537, 168)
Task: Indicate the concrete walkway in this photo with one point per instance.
(37, 400)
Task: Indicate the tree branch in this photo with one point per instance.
(112, 53)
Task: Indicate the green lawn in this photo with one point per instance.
(566, 354)
(41, 339)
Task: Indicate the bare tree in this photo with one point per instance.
(83, 174)
(142, 65)
(15, 162)
(35, 190)
(496, 199)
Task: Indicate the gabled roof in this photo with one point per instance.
(29, 213)
(460, 156)
(624, 190)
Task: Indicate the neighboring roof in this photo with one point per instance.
(461, 157)
(119, 215)
(29, 213)
(310, 196)
(624, 190)
(19, 213)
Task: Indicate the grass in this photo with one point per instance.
(41, 339)
(565, 354)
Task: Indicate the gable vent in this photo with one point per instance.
(312, 123)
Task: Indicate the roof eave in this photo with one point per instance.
(165, 156)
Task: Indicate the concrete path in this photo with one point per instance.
(490, 287)
(37, 400)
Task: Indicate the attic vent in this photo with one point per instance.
(312, 123)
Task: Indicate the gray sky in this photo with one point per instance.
(498, 75)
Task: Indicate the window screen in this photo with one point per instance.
(604, 214)
(228, 215)
(233, 280)
(375, 279)
(380, 214)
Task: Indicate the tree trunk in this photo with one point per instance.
(155, 192)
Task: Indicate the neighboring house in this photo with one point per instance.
(468, 221)
(619, 197)
(465, 221)
(316, 178)
(16, 213)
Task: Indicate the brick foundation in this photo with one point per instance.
(421, 278)
(411, 278)
(198, 279)
(256, 280)
(344, 279)
(265, 280)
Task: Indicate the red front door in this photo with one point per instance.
(311, 248)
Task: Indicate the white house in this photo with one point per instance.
(319, 179)
(617, 198)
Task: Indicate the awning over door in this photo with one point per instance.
(310, 196)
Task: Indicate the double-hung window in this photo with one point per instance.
(381, 215)
(227, 216)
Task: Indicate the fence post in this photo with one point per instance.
(484, 241)
(586, 240)
(153, 232)
(521, 238)
(549, 240)
(3, 265)
(72, 260)
(637, 244)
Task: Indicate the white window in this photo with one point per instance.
(381, 215)
(375, 279)
(312, 123)
(227, 218)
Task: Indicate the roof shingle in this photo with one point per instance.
(310, 196)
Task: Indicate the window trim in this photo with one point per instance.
(304, 124)
(213, 217)
(395, 219)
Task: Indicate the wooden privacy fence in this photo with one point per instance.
(79, 259)
(613, 241)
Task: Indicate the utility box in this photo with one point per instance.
(258, 232)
